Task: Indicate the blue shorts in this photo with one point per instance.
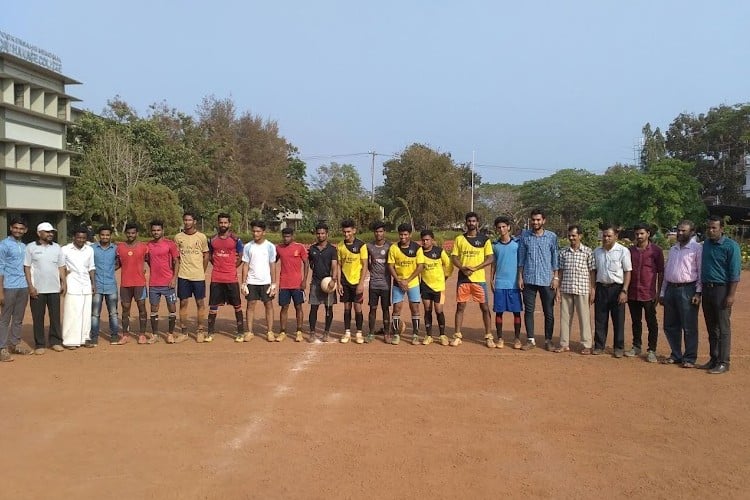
(155, 293)
(507, 299)
(412, 293)
(188, 288)
(287, 295)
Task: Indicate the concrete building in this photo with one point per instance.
(35, 112)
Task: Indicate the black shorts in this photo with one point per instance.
(428, 293)
(350, 294)
(258, 292)
(190, 288)
(383, 295)
(224, 293)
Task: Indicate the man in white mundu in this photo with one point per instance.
(79, 278)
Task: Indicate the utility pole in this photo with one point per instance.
(472, 180)
(372, 176)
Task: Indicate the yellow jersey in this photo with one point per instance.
(437, 268)
(351, 258)
(406, 260)
(471, 251)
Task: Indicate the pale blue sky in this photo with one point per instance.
(532, 86)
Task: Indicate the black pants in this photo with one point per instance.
(606, 305)
(717, 322)
(50, 302)
(648, 307)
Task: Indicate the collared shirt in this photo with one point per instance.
(721, 261)
(12, 253)
(576, 267)
(648, 264)
(45, 262)
(683, 265)
(79, 262)
(537, 255)
(104, 261)
(612, 264)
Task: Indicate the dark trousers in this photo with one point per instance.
(717, 322)
(606, 305)
(50, 302)
(11, 318)
(547, 295)
(681, 318)
(639, 308)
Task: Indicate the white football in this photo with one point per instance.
(328, 285)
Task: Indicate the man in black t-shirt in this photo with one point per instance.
(323, 263)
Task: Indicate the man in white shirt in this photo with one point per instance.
(79, 279)
(258, 268)
(613, 267)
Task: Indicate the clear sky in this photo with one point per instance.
(531, 86)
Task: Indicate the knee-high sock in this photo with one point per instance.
(239, 317)
(428, 321)
(359, 319)
(155, 324)
(386, 318)
(212, 312)
(415, 324)
(396, 324)
(441, 322)
(172, 321)
(313, 317)
(329, 318)
(347, 319)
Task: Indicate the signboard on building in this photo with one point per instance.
(24, 50)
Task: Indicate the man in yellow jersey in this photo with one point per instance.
(352, 255)
(472, 252)
(191, 278)
(405, 263)
(437, 269)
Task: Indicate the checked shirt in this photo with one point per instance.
(576, 266)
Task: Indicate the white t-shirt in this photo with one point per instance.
(259, 257)
(78, 263)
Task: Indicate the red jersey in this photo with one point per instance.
(160, 256)
(224, 252)
(132, 259)
(292, 258)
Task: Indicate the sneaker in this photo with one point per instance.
(200, 337)
(444, 340)
(90, 344)
(633, 352)
(270, 337)
(346, 338)
(395, 339)
(490, 342)
(209, 337)
(180, 337)
(529, 345)
(369, 338)
(280, 337)
(597, 352)
(651, 357)
(619, 353)
(415, 339)
(548, 345)
(39, 351)
(312, 338)
(326, 336)
(5, 355)
(428, 340)
(22, 348)
(298, 336)
(457, 339)
(500, 344)
(118, 340)
(240, 337)
(57, 348)
(141, 339)
(170, 338)
(358, 338)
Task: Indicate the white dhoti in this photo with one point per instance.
(76, 326)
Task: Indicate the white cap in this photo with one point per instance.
(45, 226)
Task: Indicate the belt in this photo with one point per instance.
(607, 285)
(680, 285)
(714, 285)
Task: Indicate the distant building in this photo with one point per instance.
(35, 112)
(287, 219)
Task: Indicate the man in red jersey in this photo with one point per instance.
(225, 254)
(292, 278)
(131, 258)
(164, 262)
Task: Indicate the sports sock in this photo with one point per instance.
(428, 321)
(359, 319)
(396, 324)
(329, 317)
(155, 324)
(313, 317)
(415, 324)
(441, 322)
(347, 319)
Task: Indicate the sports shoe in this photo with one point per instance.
(651, 357)
(619, 353)
(240, 337)
(90, 344)
(57, 348)
(270, 337)
(415, 339)
(141, 339)
(200, 337)
(22, 348)
(548, 345)
(118, 340)
(444, 340)
(457, 339)
(358, 338)
(346, 338)
(395, 339)
(369, 338)
(517, 343)
(298, 336)
(39, 351)
(428, 340)
(280, 337)
(490, 342)
(326, 337)
(180, 337)
(5, 355)
(313, 339)
(597, 352)
(633, 352)
(500, 344)
(209, 337)
(529, 345)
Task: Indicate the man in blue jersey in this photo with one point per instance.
(504, 282)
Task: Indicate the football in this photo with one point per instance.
(328, 285)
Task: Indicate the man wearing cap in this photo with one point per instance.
(44, 266)
(14, 291)
(79, 272)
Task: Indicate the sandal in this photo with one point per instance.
(585, 350)
(561, 349)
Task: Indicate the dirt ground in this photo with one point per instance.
(288, 420)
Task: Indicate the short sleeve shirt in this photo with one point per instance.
(471, 251)
(258, 257)
(350, 257)
(612, 264)
(321, 261)
(292, 258)
(224, 252)
(161, 255)
(12, 253)
(405, 261)
(192, 247)
(377, 260)
(132, 260)
(45, 262)
(437, 268)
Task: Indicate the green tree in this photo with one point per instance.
(654, 147)
(155, 201)
(493, 200)
(338, 194)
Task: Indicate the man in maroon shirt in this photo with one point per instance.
(645, 282)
